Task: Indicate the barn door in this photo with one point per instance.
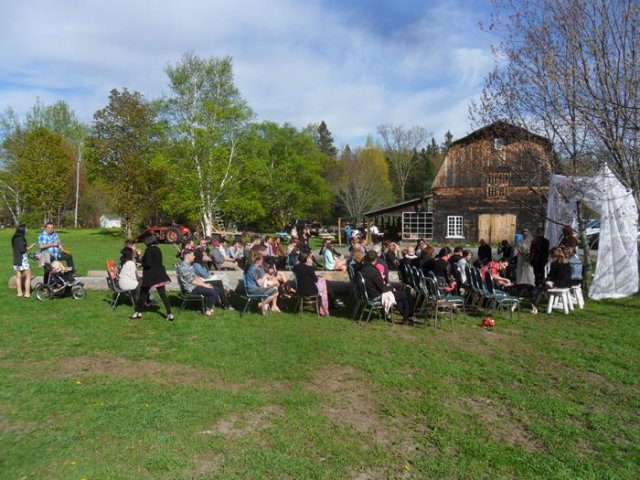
(496, 227)
(484, 227)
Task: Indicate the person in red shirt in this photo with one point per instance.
(494, 268)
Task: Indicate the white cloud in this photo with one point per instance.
(294, 61)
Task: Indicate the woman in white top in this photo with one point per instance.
(463, 263)
(128, 275)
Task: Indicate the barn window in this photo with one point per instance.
(498, 185)
(498, 146)
(454, 226)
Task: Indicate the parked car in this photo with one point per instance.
(316, 228)
(592, 227)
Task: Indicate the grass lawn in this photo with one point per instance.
(88, 393)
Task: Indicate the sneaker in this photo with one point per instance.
(534, 310)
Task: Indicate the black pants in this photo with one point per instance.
(224, 300)
(211, 295)
(144, 295)
(538, 272)
(68, 258)
(403, 304)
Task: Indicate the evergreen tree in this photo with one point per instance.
(448, 140)
(325, 141)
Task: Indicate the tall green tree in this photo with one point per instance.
(61, 119)
(122, 149)
(427, 162)
(207, 119)
(291, 175)
(44, 165)
(325, 141)
(9, 192)
(448, 140)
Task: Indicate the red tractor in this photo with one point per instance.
(168, 234)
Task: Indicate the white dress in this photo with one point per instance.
(524, 271)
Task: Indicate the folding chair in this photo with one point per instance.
(187, 297)
(114, 287)
(250, 297)
(303, 301)
(369, 305)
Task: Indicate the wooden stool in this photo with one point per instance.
(576, 296)
(559, 298)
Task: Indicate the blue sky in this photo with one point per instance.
(356, 64)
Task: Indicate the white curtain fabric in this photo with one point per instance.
(616, 273)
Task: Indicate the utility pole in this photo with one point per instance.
(78, 161)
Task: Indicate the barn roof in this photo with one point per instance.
(501, 127)
(397, 207)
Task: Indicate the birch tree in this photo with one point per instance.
(361, 179)
(400, 147)
(207, 119)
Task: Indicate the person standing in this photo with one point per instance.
(568, 239)
(539, 256)
(347, 231)
(524, 271)
(485, 254)
(154, 275)
(21, 261)
(50, 244)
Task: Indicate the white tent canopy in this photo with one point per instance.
(616, 273)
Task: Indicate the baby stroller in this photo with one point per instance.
(58, 284)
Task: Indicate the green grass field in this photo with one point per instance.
(88, 393)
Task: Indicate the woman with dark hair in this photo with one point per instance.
(154, 275)
(310, 284)
(568, 239)
(201, 263)
(21, 261)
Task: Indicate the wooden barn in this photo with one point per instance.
(492, 183)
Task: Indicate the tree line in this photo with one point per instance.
(197, 155)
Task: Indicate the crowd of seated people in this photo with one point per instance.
(263, 260)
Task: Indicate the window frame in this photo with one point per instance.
(456, 226)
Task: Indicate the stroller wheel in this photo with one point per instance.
(78, 292)
(42, 292)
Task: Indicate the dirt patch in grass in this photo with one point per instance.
(145, 370)
(478, 341)
(206, 465)
(501, 421)
(349, 401)
(238, 425)
(17, 426)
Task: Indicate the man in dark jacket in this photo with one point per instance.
(539, 256)
(485, 254)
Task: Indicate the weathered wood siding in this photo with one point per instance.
(477, 179)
